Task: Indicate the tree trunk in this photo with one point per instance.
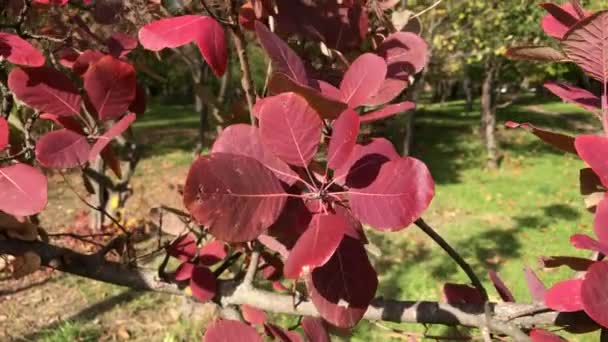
(408, 128)
(98, 196)
(488, 114)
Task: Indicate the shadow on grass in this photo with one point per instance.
(447, 137)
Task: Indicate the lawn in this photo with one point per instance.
(501, 220)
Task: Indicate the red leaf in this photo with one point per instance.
(18, 51)
(292, 223)
(582, 241)
(343, 139)
(594, 293)
(177, 31)
(62, 149)
(536, 54)
(390, 89)
(117, 129)
(314, 329)
(405, 53)
(110, 159)
(247, 16)
(68, 122)
(88, 57)
(284, 59)
(388, 111)
(110, 84)
(183, 247)
(4, 133)
(184, 271)
(535, 286)
(375, 153)
(456, 294)
(539, 335)
(327, 107)
(244, 140)
(278, 333)
(600, 222)
(328, 90)
(138, 106)
(586, 45)
(46, 90)
(23, 190)
(565, 296)
(224, 330)
(253, 315)
(392, 201)
(577, 96)
(363, 79)
(557, 140)
(212, 253)
(501, 288)
(593, 149)
(574, 263)
(342, 289)
(316, 245)
(120, 44)
(290, 128)
(203, 283)
(219, 194)
(67, 56)
(559, 20)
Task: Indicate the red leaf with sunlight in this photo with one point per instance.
(501, 288)
(184, 271)
(212, 253)
(293, 221)
(316, 245)
(19, 51)
(565, 296)
(328, 90)
(277, 333)
(405, 53)
(110, 84)
(45, 89)
(363, 79)
(364, 157)
(23, 190)
(314, 329)
(244, 140)
(401, 191)
(388, 111)
(88, 57)
(535, 286)
(343, 139)
(582, 241)
(203, 283)
(600, 221)
(594, 293)
(177, 31)
(253, 315)
(283, 58)
(390, 89)
(327, 107)
(586, 45)
(342, 289)
(68, 122)
(290, 128)
(121, 44)
(559, 20)
(558, 140)
(577, 96)
(117, 129)
(224, 330)
(539, 335)
(67, 56)
(458, 294)
(219, 194)
(4, 133)
(593, 150)
(183, 247)
(62, 149)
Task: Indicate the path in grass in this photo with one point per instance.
(499, 220)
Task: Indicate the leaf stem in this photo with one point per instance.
(428, 230)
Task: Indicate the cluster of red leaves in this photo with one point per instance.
(581, 36)
(229, 330)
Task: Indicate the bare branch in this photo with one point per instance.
(246, 78)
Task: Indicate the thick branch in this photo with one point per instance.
(506, 316)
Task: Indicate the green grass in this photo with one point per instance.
(501, 220)
(70, 332)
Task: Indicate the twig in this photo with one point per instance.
(428, 230)
(246, 79)
(227, 263)
(427, 9)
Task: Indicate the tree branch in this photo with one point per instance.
(246, 78)
(233, 293)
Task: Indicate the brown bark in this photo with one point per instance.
(488, 114)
